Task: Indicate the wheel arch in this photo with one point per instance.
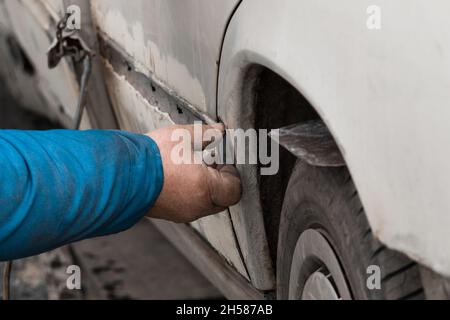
(247, 108)
(349, 98)
(243, 69)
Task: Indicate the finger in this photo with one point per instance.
(212, 133)
(224, 186)
(205, 134)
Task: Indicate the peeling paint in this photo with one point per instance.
(136, 114)
(147, 54)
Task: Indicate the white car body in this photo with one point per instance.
(383, 94)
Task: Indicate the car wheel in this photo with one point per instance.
(326, 246)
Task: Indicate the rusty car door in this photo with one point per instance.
(158, 54)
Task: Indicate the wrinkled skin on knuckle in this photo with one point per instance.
(192, 191)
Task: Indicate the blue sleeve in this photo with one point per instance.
(58, 187)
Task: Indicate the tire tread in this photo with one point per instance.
(334, 188)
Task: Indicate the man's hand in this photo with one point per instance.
(192, 191)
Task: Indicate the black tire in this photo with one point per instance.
(326, 200)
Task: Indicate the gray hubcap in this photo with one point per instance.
(316, 273)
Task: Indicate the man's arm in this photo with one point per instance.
(58, 187)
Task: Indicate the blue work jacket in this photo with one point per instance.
(59, 187)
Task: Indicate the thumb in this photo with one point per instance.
(225, 187)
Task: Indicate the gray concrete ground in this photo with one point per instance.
(140, 264)
(137, 264)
